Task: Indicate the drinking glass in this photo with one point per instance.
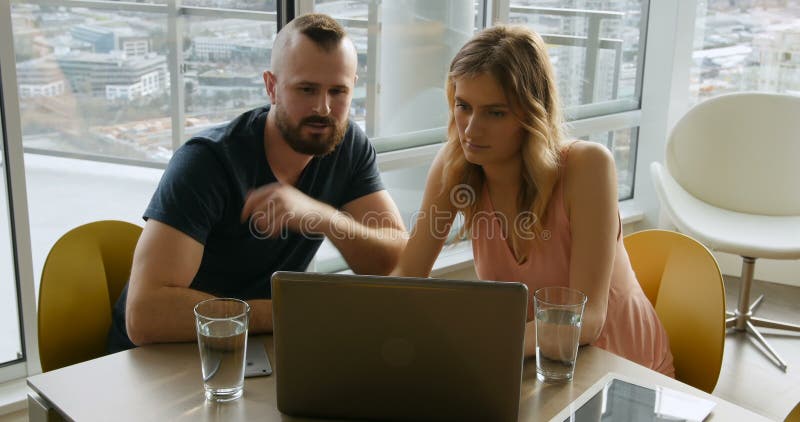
(222, 339)
(559, 312)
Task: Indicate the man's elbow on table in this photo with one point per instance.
(137, 325)
(382, 263)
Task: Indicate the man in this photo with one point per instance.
(257, 195)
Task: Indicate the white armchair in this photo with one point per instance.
(732, 181)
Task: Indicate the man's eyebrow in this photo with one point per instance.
(315, 84)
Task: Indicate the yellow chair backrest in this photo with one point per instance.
(794, 415)
(683, 281)
(82, 277)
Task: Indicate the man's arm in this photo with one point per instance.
(368, 231)
(160, 305)
(370, 235)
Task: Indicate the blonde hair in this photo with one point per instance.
(517, 59)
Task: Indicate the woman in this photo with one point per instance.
(539, 210)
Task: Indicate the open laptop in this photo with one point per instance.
(392, 348)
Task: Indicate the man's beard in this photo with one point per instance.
(315, 143)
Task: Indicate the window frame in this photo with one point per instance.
(18, 207)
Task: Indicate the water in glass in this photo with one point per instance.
(222, 345)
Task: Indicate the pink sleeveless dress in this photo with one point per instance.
(631, 330)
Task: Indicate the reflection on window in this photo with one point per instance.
(256, 5)
(224, 60)
(93, 82)
(744, 46)
(404, 50)
(96, 82)
(596, 49)
(622, 144)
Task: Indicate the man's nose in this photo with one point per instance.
(323, 105)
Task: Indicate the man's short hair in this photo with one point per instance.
(325, 31)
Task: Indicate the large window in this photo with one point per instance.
(742, 45)
(130, 81)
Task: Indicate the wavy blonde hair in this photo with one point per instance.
(517, 59)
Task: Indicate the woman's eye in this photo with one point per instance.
(497, 113)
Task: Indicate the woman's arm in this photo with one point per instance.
(431, 227)
(590, 198)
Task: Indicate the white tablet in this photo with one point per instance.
(617, 398)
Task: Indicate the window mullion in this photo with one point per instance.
(175, 25)
(498, 11)
(373, 54)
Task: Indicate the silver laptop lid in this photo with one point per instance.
(393, 348)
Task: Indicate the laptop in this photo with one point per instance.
(391, 348)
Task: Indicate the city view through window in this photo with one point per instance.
(97, 81)
(746, 45)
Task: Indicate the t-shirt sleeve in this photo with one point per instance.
(191, 195)
(365, 177)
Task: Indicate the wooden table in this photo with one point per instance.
(163, 382)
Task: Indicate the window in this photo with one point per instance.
(745, 46)
(93, 82)
(604, 40)
(223, 62)
(130, 81)
(396, 39)
(597, 51)
(110, 81)
(596, 48)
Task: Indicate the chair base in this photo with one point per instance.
(742, 318)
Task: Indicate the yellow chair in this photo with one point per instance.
(83, 276)
(794, 415)
(683, 281)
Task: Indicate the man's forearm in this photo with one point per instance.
(162, 315)
(367, 250)
(260, 316)
(166, 315)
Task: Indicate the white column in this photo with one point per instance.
(418, 38)
(665, 92)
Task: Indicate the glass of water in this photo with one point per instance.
(222, 338)
(559, 311)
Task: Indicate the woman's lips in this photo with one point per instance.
(473, 146)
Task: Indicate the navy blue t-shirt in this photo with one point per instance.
(202, 193)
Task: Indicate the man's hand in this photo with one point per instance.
(275, 207)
